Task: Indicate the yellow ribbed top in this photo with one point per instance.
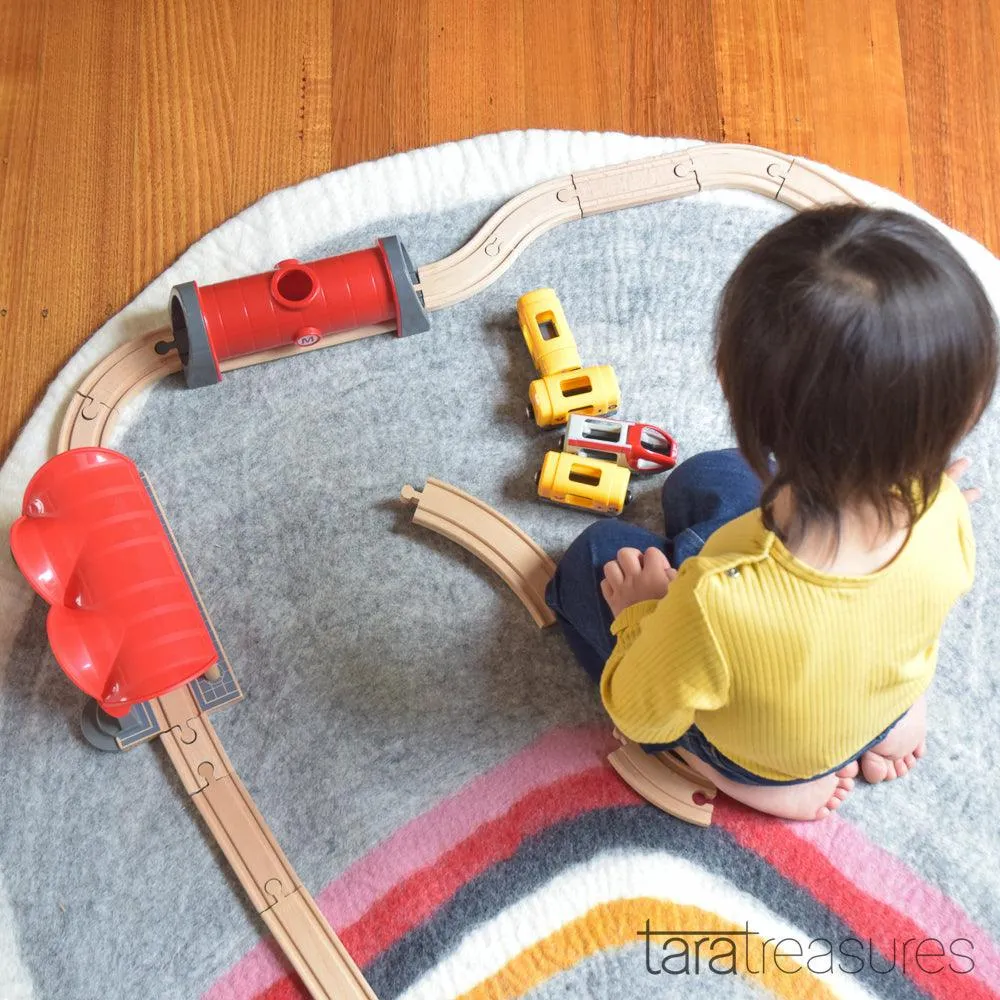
(787, 670)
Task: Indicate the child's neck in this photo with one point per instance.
(865, 544)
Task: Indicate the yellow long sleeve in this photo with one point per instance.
(788, 671)
(653, 688)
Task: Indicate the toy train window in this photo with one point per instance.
(576, 386)
(653, 441)
(586, 475)
(599, 431)
(547, 326)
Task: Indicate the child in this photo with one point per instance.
(787, 627)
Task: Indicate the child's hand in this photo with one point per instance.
(956, 470)
(636, 576)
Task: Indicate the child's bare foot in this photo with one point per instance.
(900, 750)
(876, 767)
(805, 801)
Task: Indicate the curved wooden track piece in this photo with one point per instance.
(514, 226)
(607, 189)
(666, 782)
(134, 366)
(93, 410)
(488, 535)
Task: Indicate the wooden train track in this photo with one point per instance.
(665, 781)
(521, 221)
(125, 372)
(517, 224)
(270, 882)
(284, 904)
(488, 535)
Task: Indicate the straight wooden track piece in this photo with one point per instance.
(489, 536)
(639, 182)
(317, 954)
(277, 894)
(665, 782)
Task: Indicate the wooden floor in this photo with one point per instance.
(131, 128)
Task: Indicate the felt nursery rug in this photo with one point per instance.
(431, 762)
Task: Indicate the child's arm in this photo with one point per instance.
(666, 664)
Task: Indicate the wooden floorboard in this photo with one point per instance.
(128, 130)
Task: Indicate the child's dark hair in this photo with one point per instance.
(857, 347)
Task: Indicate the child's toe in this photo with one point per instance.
(874, 767)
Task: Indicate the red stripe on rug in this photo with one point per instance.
(888, 930)
(412, 901)
(447, 822)
(886, 878)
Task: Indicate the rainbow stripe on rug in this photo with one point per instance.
(549, 868)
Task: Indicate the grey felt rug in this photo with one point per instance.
(431, 762)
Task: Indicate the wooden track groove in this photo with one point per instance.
(664, 782)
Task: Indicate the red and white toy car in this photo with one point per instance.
(636, 446)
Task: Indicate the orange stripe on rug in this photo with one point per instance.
(717, 947)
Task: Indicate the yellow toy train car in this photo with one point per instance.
(546, 332)
(593, 391)
(589, 484)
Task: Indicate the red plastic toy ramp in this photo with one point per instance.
(124, 624)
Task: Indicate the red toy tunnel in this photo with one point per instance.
(296, 303)
(124, 623)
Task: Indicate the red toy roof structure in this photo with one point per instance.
(124, 624)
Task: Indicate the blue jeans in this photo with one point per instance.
(701, 495)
